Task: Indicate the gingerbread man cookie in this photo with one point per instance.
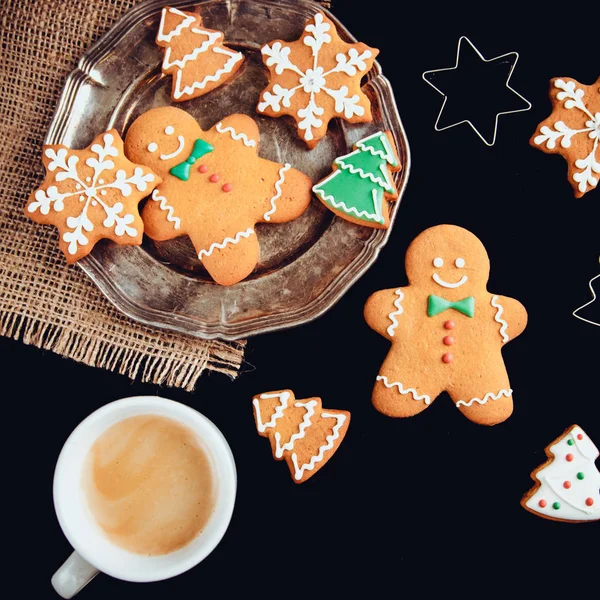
(194, 55)
(447, 331)
(215, 187)
(573, 131)
(317, 78)
(91, 194)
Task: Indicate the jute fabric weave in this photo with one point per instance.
(44, 302)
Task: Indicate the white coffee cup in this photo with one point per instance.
(93, 552)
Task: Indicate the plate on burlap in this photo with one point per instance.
(305, 265)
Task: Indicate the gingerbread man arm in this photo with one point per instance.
(242, 129)
(383, 312)
(288, 191)
(511, 317)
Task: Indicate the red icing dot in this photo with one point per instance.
(202, 168)
(449, 324)
(570, 457)
(543, 503)
(579, 436)
(447, 358)
(227, 187)
(567, 485)
(589, 501)
(448, 340)
(214, 178)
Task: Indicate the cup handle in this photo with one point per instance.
(74, 574)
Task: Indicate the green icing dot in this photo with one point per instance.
(570, 442)
(580, 476)
(556, 505)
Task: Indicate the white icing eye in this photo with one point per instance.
(152, 147)
(438, 262)
(460, 262)
(169, 129)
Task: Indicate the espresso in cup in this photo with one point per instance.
(149, 484)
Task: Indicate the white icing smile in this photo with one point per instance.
(446, 284)
(174, 154)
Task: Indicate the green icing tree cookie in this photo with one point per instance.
(362, 182)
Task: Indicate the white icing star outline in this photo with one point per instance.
(467, 121)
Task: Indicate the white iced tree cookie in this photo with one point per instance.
(301, 432)
(91, 194)
(317, 78)
(567, 485)
(573, 131)
(194, 55)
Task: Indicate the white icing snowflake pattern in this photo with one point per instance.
(90, 191)
(573, 98)
(313, 81)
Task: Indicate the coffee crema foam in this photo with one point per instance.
(149, 484)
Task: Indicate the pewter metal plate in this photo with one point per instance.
(305, 265)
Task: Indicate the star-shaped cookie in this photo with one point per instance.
(91, 194)
(573, 131)
(316, 78)
(215, 187)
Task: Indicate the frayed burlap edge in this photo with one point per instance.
(134, 363)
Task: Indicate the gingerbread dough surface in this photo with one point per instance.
(447, 331)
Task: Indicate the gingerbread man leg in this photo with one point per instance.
(399, 392)
(486, 401)
(232, 259)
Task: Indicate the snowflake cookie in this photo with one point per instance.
(567, 484)
(316, 78)
(194, 55)
(214, 187)
(573, 131)
(301, 432)
(361, 182)
(91, 194)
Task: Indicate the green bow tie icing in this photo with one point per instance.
(182, 170)
(436, 305)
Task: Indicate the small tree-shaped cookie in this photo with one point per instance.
(194, 55)
(300, 431)
(362, 181)
(567, 485)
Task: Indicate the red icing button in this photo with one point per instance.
(448, 340)
(227, 187)
(567, 485)
(543, 503)
(202, 168)
(449, 324)
(570, 457)
(447, 358)
(589, 501)
(579, 436)
(214, 178)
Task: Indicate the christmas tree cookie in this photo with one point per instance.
(194, 55)
(301, 432)
(567, 484)
(317, 78)
(91, 194)
(362, 182)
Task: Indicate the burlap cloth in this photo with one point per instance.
(43, 301)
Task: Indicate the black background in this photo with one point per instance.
(421, 505)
